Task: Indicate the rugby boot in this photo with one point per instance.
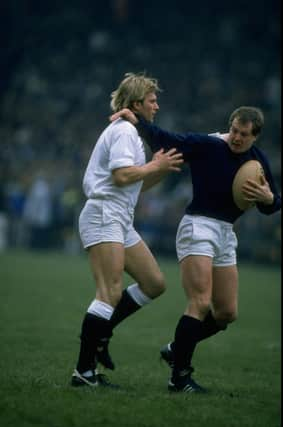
(183, 382)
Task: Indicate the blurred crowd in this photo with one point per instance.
(63, 63)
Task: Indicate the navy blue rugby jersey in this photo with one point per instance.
(213, 168)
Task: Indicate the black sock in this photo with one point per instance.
(94, 328)
(186, 338)
(125, 307)
(210, 327)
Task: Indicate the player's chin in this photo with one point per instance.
(152, 117)
(237, 149)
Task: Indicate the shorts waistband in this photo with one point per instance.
(111, 203)
(207, 218)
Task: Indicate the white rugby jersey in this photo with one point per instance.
(118, 146)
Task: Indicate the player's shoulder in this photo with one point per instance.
(116, 130)
(216, 134)
(219, 135)
(122, 125)
(259, 154)
(215, 140)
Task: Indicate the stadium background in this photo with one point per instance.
(61, 60)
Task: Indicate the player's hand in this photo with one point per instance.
(255, 192)
(126, 114)
(168, 161)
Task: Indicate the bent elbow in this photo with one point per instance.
(120, 180)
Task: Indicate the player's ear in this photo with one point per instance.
(136, 106)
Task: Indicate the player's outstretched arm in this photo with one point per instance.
(158, 138)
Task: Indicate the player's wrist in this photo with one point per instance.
(135, 119)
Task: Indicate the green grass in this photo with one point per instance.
(43, 299)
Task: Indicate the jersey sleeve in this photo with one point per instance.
(276, 205)
(122, 151)
(187, 143)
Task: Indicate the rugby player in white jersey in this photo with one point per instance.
(116, 173)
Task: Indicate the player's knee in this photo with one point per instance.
(158, 286)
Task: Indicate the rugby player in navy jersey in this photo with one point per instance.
(205, 242)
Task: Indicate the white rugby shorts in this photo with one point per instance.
(200, 235)
(100, 222)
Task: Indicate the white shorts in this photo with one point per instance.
(98, 224)
(200, 235)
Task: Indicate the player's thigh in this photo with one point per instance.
(141, 265)
(196, 273)
(107, 266)
(225, 292)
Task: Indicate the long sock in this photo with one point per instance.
(209, 327)
(132, 300)
(93, 329)
(186, 338)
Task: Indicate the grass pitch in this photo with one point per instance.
(43, 298)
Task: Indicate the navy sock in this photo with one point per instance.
(94, 328)
(210, 327)
(186, 338)
(125, 307)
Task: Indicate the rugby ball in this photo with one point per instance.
(251, 169)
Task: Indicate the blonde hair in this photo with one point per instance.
(133, 88)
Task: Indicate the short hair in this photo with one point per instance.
(249, 114)
(133, 88)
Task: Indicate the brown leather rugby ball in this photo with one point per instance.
(252, 169)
